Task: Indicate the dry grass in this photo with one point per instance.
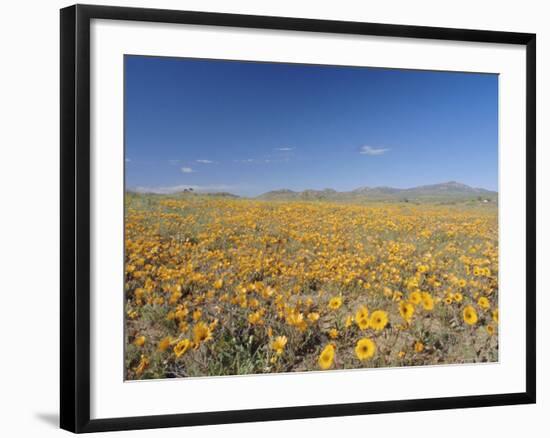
(219, 286)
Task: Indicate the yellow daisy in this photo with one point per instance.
(278, 344)
(362, 317)
(335, 303)
(378, 320)
(201, 333)
(181, 347)
(313, 316)
(415, 297)
(470, 315)
(365, 348)
(326, 358)
(484, 303)
(164, 344)
(427, 301)
(143, 364)
(139, 341)
(406, 310)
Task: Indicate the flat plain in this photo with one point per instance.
(218, 285)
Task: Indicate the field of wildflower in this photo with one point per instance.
(219, 286)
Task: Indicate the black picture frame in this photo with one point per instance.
(75, 217)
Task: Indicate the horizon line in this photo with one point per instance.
(179, 188)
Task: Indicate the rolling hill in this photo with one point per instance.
(443, 192)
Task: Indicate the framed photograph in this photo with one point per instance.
(271, 218)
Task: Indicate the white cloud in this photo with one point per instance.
(369, 150)
(181, 187)
(285, 149)
(127, 160)
(187, 170)
(173, 161)
(204, 161)
(261, 160)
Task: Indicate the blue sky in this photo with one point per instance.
(247, 127)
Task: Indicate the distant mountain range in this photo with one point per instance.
(450, 191)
